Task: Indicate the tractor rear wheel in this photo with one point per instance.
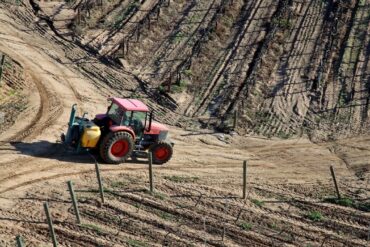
(116, 147)
(161, 152)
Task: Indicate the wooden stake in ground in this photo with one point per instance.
(150, 157)
(2, 62)
(244, 179)
(235, 119)
(19, 241)
(205, 230)
(101, 189)
(335, 182)
(50, 223)
(74, 201)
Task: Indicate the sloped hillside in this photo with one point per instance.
(287, 67)
(12, 91)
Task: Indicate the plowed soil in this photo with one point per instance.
(197, 197)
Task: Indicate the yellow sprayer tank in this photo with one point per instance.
(90, 136)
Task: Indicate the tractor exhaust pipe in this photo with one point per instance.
(150, 121)
(71, 123)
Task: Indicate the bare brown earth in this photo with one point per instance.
(197, 194)
(288, 68)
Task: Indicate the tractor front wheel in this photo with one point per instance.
(161, 152)
(116, 147)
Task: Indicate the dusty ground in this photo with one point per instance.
(288, 67)
(197, 200)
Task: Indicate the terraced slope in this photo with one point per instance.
(247, 50)
(288, 67)
(14, 89)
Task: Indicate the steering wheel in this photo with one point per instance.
(136, 125)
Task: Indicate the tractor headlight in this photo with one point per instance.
(162, 135)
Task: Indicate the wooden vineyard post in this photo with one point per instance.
(158, 13)
(148, 20)
(2, 62)
(78, 16)
(335, 182)
(123, 48)
(74, 201)
(50, 223)
(244, 179)
(137, 31)
(169, 83)
(101, 189)
(178, 77)
(235, 119)
(205, 230)
(151, 187)
(19, 241)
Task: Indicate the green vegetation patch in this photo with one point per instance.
(181, 179)
(348, 202)
(246, 226)
(282, 23)
(134, 6)
(93, 227)
(274, 226)
(188, 72)
(283, 135)
(166, 216)
(314, 216)
(257, 202)
(136, 243)
(118, 184)
(180, 87)
(157, 195)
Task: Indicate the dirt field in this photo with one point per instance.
(288, 67)
(197, 199)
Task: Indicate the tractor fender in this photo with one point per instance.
(123, 128)
(156, 128)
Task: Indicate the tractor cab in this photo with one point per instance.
(129, 113)
(126, 130)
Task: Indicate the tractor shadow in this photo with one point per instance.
(56, 151)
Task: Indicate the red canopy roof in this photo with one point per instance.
(130, 104)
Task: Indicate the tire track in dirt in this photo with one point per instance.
(46, 116)
(49, 108)
(60, 174)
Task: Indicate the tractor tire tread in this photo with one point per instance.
(161, 143)
(107, 142)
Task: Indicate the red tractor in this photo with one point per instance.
(126, 130)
